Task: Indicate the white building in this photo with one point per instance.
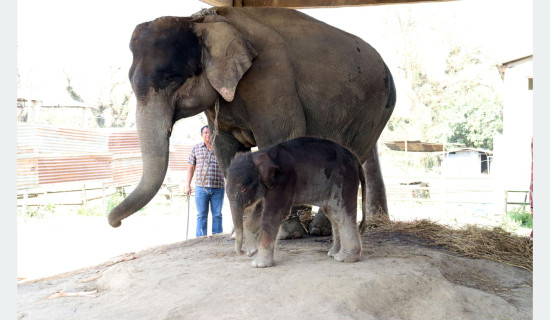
(512, 149)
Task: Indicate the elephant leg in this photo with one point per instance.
(376, 190)
(273, 216)
(291, 227)
(335, 232)
(320, 225)
(271, 127)
(347, 244)
(266, 244)
(225, 147)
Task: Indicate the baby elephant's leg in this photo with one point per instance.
(350, 243)
(271, 222)
(335, 233)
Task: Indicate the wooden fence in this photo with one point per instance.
(481, 191)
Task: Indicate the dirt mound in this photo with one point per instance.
(398, 278)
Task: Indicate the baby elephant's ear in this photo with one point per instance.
(267, 169)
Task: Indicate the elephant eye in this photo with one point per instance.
(243, 189)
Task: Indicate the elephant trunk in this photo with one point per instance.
(237, 215)
(154, 125)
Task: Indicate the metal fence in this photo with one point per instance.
(53, 160)
(92, 164)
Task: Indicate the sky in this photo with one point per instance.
(88, 41)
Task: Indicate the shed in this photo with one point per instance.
(467, 162)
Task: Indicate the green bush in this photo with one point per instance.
(33, 212)
(88, 211)
(522, 216)
(113, 201)
(40, 211)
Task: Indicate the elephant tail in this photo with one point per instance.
(392, 94)
(363, 224)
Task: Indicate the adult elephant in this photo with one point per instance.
(262, 76)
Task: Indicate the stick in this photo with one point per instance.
(188, 209)
(60, 293)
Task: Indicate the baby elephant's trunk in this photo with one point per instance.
(237, 215)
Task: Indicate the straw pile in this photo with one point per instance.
(472, 241)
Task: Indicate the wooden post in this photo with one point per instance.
(25, 200)
(84, 200)
(505, 201)
(103, 198)
(35, 111)
(444, 178)
(407, 159)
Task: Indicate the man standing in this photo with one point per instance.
(209, 184)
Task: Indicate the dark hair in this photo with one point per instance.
(202, 129)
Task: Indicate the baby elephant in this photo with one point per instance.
(264, 185)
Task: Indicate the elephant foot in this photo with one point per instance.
(263, 260)
(320, 225)
(333, 251)
(342, 256)
(291, 229)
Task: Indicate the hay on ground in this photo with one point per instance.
(493, 244)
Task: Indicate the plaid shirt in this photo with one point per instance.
(207, 171)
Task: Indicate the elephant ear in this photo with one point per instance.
(266, 169)
(226, 55)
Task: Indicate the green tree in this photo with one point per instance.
(467, 108)
(457, 103)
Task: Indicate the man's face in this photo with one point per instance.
(206, 136)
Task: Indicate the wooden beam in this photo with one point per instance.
(302, 4)
(219, 3)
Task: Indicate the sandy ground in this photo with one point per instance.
(66, 241)
(204, 279)
(112, 278)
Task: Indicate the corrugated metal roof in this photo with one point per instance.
(478, 150)
(414, 146)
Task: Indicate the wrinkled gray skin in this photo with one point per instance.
(306, 170)
(277, 74)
